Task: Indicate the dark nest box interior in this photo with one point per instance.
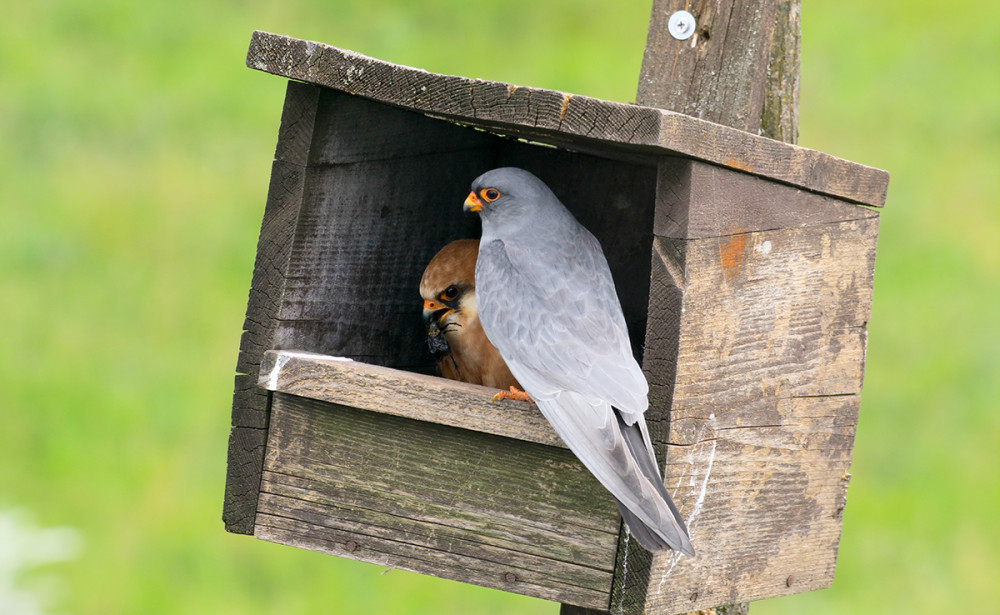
(744, 267)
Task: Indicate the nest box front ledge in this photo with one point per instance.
(339, 380)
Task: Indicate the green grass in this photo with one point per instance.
(134, 163)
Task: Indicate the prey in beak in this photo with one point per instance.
(435, 316)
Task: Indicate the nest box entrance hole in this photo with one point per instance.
(383, 192)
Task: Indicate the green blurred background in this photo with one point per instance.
(135, 149)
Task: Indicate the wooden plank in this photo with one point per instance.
(405, 394)
(368, 511)
(755, 357)
(478, 508)
(775, 313)
(539, 114)
(739, 68)
(250, 404)
(243, 468)
(569, 609)
(790, 497)
(703, 200)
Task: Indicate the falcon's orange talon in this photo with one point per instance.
(514, 393)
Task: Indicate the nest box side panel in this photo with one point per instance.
(383, 194)
(250, 403)
(755, 346)
(462, 505)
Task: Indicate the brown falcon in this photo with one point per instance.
(455, 336)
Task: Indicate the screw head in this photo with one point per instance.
(681, 25)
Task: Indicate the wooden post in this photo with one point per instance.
(739, 68)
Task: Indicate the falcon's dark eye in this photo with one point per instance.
(490, 194)
(450, 293)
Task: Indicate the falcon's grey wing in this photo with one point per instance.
(569, 328)
(563, 336)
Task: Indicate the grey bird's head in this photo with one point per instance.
(511, 200)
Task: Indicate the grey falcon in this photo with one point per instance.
(547, 301)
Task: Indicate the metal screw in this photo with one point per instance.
(789, 581)
(510, 577)
(351, 546)
(694, 596)
(681, 25)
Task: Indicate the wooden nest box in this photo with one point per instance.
(744, 267)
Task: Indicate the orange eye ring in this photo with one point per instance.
(489, 194)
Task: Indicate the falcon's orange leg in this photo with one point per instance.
(513, 393)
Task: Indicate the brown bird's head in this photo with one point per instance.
(448, 288)
(454, 334)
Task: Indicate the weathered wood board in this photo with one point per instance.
(757, 349)
(250, 403)
(391, 391)
(464, 505)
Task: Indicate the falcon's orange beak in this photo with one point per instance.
(472, 202)
(432, 306)
(435, 311)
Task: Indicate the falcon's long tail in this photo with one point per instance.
(637, 445)
(620, 456)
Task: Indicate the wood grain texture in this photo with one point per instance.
(755, 351)
(250, 404)
(545, 114)
(473, 507)
(712, 201)
(742, 59)
(744, 270)
(406, 394)
(780, 116)
(351, 129)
